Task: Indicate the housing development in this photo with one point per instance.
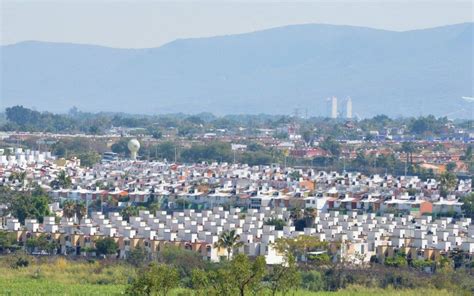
(362, 217)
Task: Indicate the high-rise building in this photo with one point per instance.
(334, 107)
(349, 108)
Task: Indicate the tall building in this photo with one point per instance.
(334, 107)
(349, 108)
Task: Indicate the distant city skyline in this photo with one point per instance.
(141, 24)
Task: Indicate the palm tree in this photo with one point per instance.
(309, 216)
(18, 176)
(296, 214)
(64, 181)
(80, 210)
(408, 148)
(448, 182)
(69, 209)
(229, 240)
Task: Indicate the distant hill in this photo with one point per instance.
(270, 71)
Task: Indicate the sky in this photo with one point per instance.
(146, 23)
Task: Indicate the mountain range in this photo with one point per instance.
(272, 71)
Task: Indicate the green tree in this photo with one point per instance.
(62, 180)
(284, 277)
(137, 257)
(247, 275)
(200, 282)
(468, 205)
(309, 215)
(42, 243)
(156, 279)
(448, 182)
(312, 280)
(69, 209)
(80, 210)
(451, 166)
(183, 260)
(25, 205)
(106, 246)
(7, 241)
(399, 260)
(89, 159)
(278, 223)
(228, 240)
(329, 144)
(128, 212)
(408, 148)
(300, 246)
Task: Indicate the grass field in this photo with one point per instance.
(62, 277)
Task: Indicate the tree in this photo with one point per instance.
(295, 175)
(25, 205)
(451, 166)
(300, 246)
(106, 246)
(408, 148)
(157, 278)
(89, 159)
(7, 241)
(80, 210)
(69, 209)
(222, 283)
(42, 243)
(137, 257)
(307, 136)
(128, 212)
(278, 223)
(200, 282)
(228, 240)
(468, 205)
(284, 277)
(313, 281)
(309, 215)
(183, 260)
(247, 275)
(18, 176)
(121, 147)
(62, 180)
(155, 132)
(329, 144)
(399, 260)
(448, 182)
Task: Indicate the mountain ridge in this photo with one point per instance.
(270, 71)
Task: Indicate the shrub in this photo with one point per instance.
(312, 281)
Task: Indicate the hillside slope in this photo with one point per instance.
(271, 71)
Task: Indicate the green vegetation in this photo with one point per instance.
(29, 204)
(106, 246)
(58, 276)
(278, 223)
(229, 240)
(468, 206)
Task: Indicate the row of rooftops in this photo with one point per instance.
(370, 230)
(142, 179)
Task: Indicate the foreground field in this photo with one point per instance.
(29, 286)
(62, 277)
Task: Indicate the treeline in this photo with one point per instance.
(243, 275)
(207, 152)
(20, 118)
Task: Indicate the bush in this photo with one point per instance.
(312, 281)
(20, 261)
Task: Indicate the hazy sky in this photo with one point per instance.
(145, 23)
